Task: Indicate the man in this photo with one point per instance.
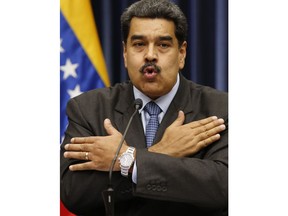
(185, 169)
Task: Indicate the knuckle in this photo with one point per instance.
(203, 135)
(202, 144)
(67, 146)
(82, 148)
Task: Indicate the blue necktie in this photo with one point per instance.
(153, 109)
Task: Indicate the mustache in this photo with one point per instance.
(150, 64)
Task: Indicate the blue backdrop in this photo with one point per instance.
(207, 54)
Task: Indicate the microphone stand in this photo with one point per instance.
(108, 194)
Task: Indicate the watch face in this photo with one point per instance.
(126, 160)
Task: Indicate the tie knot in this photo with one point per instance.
(152, 108)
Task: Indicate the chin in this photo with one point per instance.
(153, 94)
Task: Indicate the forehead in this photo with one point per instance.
(148, 27)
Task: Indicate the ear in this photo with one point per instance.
(124, 53)
(182, 55)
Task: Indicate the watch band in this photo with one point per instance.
(130, 150)
(126, 160)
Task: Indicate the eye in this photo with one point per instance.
(138, 44)
(164, 45)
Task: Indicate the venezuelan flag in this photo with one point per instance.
(82, 64)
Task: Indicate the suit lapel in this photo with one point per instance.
(135, 135)
(124, 109)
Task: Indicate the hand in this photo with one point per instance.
(99, 151)
(182, 140)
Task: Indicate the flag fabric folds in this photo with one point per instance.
(82, 64)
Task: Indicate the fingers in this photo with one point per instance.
(82, 166)
(84, 143)
(211, 129)
(109, 127)
(206, 131)
(204, 143)
(92, 162)
(211, 135)
(205, 125)
(77, 155)
(91, 139)
(214, 125)
(78, 147)
(83, 140)
(180, 119)
(202, 122)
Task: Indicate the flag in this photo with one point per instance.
(82, 64)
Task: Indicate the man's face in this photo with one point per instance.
(152, 55)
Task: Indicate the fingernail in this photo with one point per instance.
(223, 127)
(107, 121)
(221, 120)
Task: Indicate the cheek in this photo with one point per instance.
(131, 67)
(133, 63)
(133, 70)
(172, 65)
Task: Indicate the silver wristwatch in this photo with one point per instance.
(126, 160)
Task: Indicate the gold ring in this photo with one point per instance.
(86, 156)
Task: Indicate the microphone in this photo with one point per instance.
(108, 195)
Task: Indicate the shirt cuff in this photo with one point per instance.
(134, 173)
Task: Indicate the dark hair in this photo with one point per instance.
(155, 9)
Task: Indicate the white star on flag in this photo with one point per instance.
(69, 69)
(62, 50)
(75, 92)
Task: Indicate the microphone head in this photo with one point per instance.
(138, 103)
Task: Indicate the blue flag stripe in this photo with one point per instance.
(84, 75)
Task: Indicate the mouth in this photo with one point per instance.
(150, 71)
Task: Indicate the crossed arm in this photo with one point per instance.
(179, 140)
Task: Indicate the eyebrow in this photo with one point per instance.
(136, 37)
(161, 38)
(166, 38)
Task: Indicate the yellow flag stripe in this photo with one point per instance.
(79, 15)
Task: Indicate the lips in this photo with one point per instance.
(150, 72)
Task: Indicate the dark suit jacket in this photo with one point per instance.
(195, 185)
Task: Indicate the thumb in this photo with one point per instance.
(109, 127)
(180, 119)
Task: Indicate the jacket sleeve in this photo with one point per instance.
(201, 180)
(81, 191)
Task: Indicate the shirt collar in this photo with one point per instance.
(163, 102)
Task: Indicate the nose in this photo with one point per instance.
(151, 54)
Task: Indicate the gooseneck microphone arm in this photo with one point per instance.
(108, 195)
(138, 105)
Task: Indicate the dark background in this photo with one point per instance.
(207, 53)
